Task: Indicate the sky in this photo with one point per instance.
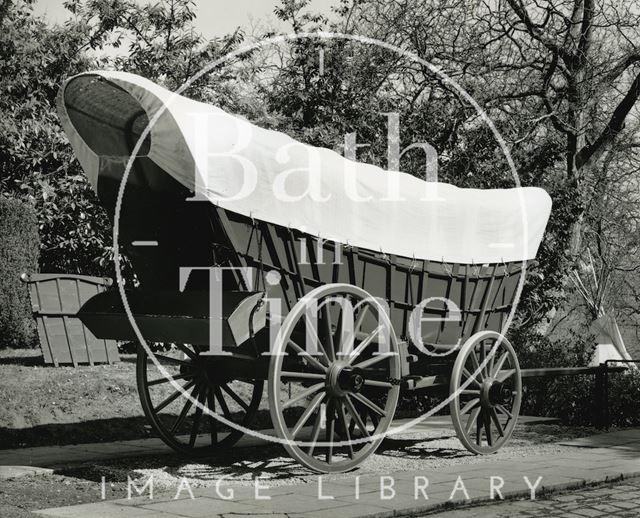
(214, 17)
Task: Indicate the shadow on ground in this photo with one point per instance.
(60, 434)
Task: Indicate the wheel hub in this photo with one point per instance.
(495, 393)
(343, 378)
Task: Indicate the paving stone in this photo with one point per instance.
(606, 508)
(590, 513)
(624, 505)
(101, 510)
(201, 506)
(568, 498)
(290, 504)
(349, 511)
(625, 495)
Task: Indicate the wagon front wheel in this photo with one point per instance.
(184, 394)
(486, 391)
(334, 378)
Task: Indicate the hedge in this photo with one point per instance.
(19, 251)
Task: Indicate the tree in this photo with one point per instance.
(560, 79)
(36, 161)
(36, 164)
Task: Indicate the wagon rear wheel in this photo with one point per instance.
(185, 426)
(487, 389)
(334, 406)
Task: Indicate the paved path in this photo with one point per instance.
(604, 457)
(35, 460)
(620, 500)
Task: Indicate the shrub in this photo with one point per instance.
(572, 400)
(19, 246)
(624, 398)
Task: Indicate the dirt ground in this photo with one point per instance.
(45, 405)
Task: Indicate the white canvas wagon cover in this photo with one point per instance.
(269, 176)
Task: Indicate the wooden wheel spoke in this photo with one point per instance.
(356, 416)
(191, 354)
(475, 365)
(363, 313)
(173, 397)
(498, 366)
(343, 420)
(468, 376)
(483, 359)
(473, 417)
(315, 432)
(364, 344)
(223, 403)
(185, 409)
(373, 360)
(330, 433)
(492, 351)
(331, 351)
(347, 348)
(315, 402)
(504, 375)
(496, 422)
(487, 427)
(234, 396)
(213, 422)
(311, 390)
(504, 411)
(337, 335)
(367, 402)
(470, 405)
(197, 417)
(184, 376)
(307, 356)
(324, 357)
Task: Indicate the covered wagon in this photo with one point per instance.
(262, 259)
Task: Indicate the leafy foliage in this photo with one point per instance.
(18, 254)
(36, 163)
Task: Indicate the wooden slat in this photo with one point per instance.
(485, 302)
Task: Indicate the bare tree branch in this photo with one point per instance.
(613, 128)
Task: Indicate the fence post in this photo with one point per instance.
(599, 399)
(607, 415)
